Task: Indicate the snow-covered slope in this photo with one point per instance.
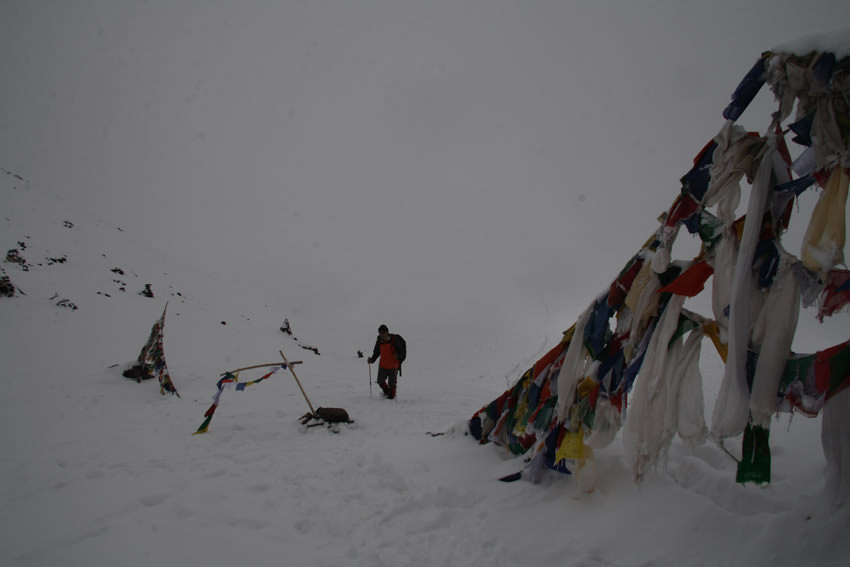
(97, 469)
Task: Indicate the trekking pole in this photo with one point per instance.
(297, 381)
(370, 378)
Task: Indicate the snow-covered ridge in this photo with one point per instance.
(835, 42)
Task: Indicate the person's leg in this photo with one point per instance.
(393, 376)
(383, 374)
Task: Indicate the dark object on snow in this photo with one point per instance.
(325, 416)
(151, 360)
(7, 289)
(285, 328)
(67, 303)
(359, 354)
(333, 415)
(147, 292)
(14, 256)
(754, 465)
(512, 477)
(138, 373)
(311, 348)
(64, 302)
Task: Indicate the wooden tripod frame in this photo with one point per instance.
(297, 381)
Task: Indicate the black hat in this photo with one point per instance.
(383, 329)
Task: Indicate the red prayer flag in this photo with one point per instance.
(690, 282)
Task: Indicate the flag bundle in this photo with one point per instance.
(573, 399)
(151, 361)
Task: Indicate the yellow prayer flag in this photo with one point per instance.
(586, 387)
(571, 447)
(823, 244)
(713, 332)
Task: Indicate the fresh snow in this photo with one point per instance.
(100, 470)
(835, 42)
(96, 469)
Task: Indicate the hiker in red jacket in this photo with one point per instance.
(392, 350)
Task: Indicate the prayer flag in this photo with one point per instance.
(690, 282)
(746, 90)
(230, 380)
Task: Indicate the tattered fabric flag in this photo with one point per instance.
(805, 163)
(152, 357)
(570, 446)
(226, 382)
(596, 330)
(809, 380)
(696, 181)
(690, 282)
(544, 457)
(230, 381)
(823, 243)
(755, 456)
(522, 415)
(553, 354)
(612, 365)
(709, 228)
(633, 368)
(731, 410)
(684, 208)
(773, 332)
(836, 293)
(620, 287)
(712, 331)
(766, 262)
(747, 90)
(797, 186)
(782, 148)
(823, 68)
(803, 129)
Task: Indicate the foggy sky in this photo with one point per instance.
(393, 155)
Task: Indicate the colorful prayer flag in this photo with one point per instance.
(152, 357)
(230, 381)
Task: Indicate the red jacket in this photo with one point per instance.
(388, 352)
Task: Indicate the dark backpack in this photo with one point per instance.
(333, 415)
(325, 416)
(400, 346)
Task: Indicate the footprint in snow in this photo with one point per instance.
(153, 499)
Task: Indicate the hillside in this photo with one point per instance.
(99, 469)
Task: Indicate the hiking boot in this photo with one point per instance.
(391, 393)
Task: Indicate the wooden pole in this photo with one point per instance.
(297, 381)
(260, 366)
